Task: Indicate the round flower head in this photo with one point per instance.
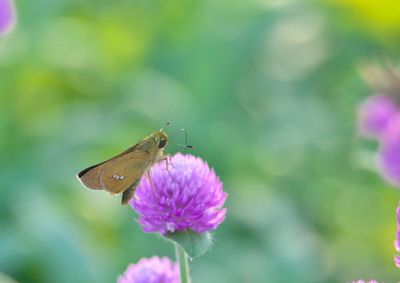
(7, 16)
(187, 195)
(374, 114)
(389, 155)
(362, 281)
(152, 270)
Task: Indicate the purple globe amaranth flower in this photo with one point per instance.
(7, 16)
(362, 281)
(397, 261)
(188, 195)
(374, 114)
(389, 153)
(152, 270)
(397, 241)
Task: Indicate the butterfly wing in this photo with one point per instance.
(116, 174)
(90, 177)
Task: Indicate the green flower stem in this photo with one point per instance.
(183, 260)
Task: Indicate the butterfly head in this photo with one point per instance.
(161, 138)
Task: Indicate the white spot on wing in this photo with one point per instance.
(117, 177)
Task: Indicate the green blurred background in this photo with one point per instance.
(268, 91)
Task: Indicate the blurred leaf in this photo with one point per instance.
(195, 244)
(5, 279)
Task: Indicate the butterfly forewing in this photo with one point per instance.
(90, 177)
(118, 174)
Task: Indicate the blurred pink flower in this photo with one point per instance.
(7, 16)
(389, 153)
(397, 241)
(151, 270)
(374, 114)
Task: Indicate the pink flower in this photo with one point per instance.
(187, 196)
(389, 153)
(152, 270)
(7, 16)
(374, 114)
(397, 241)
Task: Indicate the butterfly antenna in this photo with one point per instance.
(166, 125)
(186, 146)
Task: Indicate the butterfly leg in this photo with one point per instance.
(151, 182)
(130, 192)
(167, 159)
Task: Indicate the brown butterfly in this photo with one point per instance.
(122, 173)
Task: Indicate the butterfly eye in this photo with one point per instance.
(162, 143)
